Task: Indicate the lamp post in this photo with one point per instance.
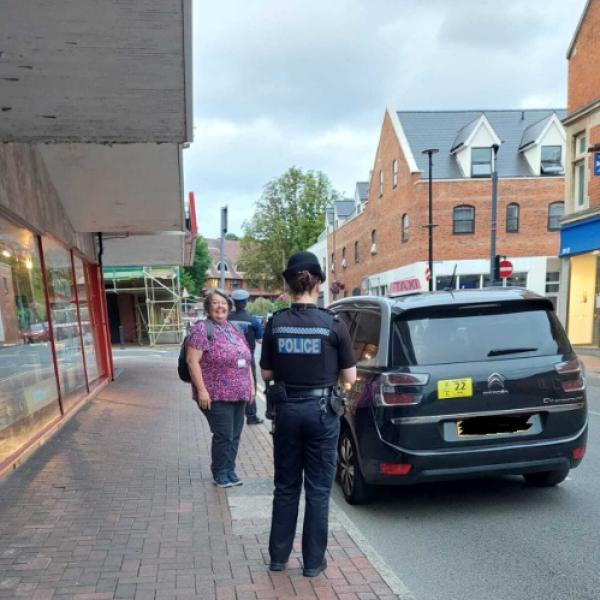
(222, 249)
(493, 274)
(430, 152)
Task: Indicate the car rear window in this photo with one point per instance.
(476, 333)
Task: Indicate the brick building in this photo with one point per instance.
(234, 278)
(580, 232)
(384, 247)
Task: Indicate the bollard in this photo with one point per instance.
(121, 336)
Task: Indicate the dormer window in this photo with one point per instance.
(481, 162)
(551, 163)
(222, 267)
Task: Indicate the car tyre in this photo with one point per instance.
(547, 478)
(354, 487)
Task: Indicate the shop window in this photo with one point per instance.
(512, 218)
(463, 219)
(87, 329)
(555, 212)
(468, 282)
(28, 391)
(444, 282)
(517, 280)
(65, 324)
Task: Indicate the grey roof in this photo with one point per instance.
(464, 133)
(533, 132)
(344, 208)
(362, 187)
(440, 129)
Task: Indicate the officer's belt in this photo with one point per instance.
(323, 392)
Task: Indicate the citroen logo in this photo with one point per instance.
(496, 381)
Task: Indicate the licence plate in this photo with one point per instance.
(454, 388)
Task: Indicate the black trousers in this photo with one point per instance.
(226, 421)
(305, 447)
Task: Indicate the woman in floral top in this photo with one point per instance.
(222, 383)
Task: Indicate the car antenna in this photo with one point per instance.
(452, 279)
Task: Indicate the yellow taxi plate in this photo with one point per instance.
(454, 388)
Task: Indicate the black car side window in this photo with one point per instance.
(365, 343)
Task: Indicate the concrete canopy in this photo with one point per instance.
(84, 70)
(133, 188)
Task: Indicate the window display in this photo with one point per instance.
(28, 391)
(86, 316)
(65, 323)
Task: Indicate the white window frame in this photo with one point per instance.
(395, 173)
(579, 171)
(381, 183)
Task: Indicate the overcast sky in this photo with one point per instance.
(306, 82)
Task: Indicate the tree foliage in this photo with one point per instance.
(260, 306)
(289, 217)
(232, 237)
(193, 277)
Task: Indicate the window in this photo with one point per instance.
(471, 334)
(374, 241)
(380, 183)
(579, 180)
(555, 212)
(224, 267)
(551, 163)
(512, 218)
(481, 162)
(469, 282)
(366, 337)
(356, 253)
(445, 282)
(395, 173)
(463, 220)
(405, 227)
(28, 392)
(344, 257)
(579, 188)
(333, 261)
(517, 280)
(552, 282)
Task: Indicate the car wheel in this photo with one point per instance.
(547, 478)
(354, 487)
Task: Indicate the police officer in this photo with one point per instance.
(306, 351)
(252, 330)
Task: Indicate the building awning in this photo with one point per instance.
(580, 237)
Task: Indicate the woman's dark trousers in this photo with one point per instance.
(305, 443)
(226, 421)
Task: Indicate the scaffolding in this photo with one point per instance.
(157, 302)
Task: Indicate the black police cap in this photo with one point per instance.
(303, 261)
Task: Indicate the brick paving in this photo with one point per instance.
(120, 504)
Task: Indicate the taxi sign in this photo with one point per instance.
(454, 388)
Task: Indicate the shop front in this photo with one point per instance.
(53, 343)
(580, 249)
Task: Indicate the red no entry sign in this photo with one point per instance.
(506, 269)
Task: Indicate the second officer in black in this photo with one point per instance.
(306, 351)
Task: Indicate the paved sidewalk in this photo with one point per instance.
(120, 504)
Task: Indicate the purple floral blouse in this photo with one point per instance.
(225, 380)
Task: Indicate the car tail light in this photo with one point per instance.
(401, 389)
(572, 375)
(578, 453)
(395, 469)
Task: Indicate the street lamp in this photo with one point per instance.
(430, 152)
(493, 274)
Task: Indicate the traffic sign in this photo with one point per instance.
(506, 269)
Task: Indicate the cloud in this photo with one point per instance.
(306, 82)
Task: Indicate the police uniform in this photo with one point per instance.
(252, 329)
(305, 347)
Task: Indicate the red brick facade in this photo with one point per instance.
(584, 74)
(384, 215)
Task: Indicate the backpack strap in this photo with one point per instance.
(210, 329)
